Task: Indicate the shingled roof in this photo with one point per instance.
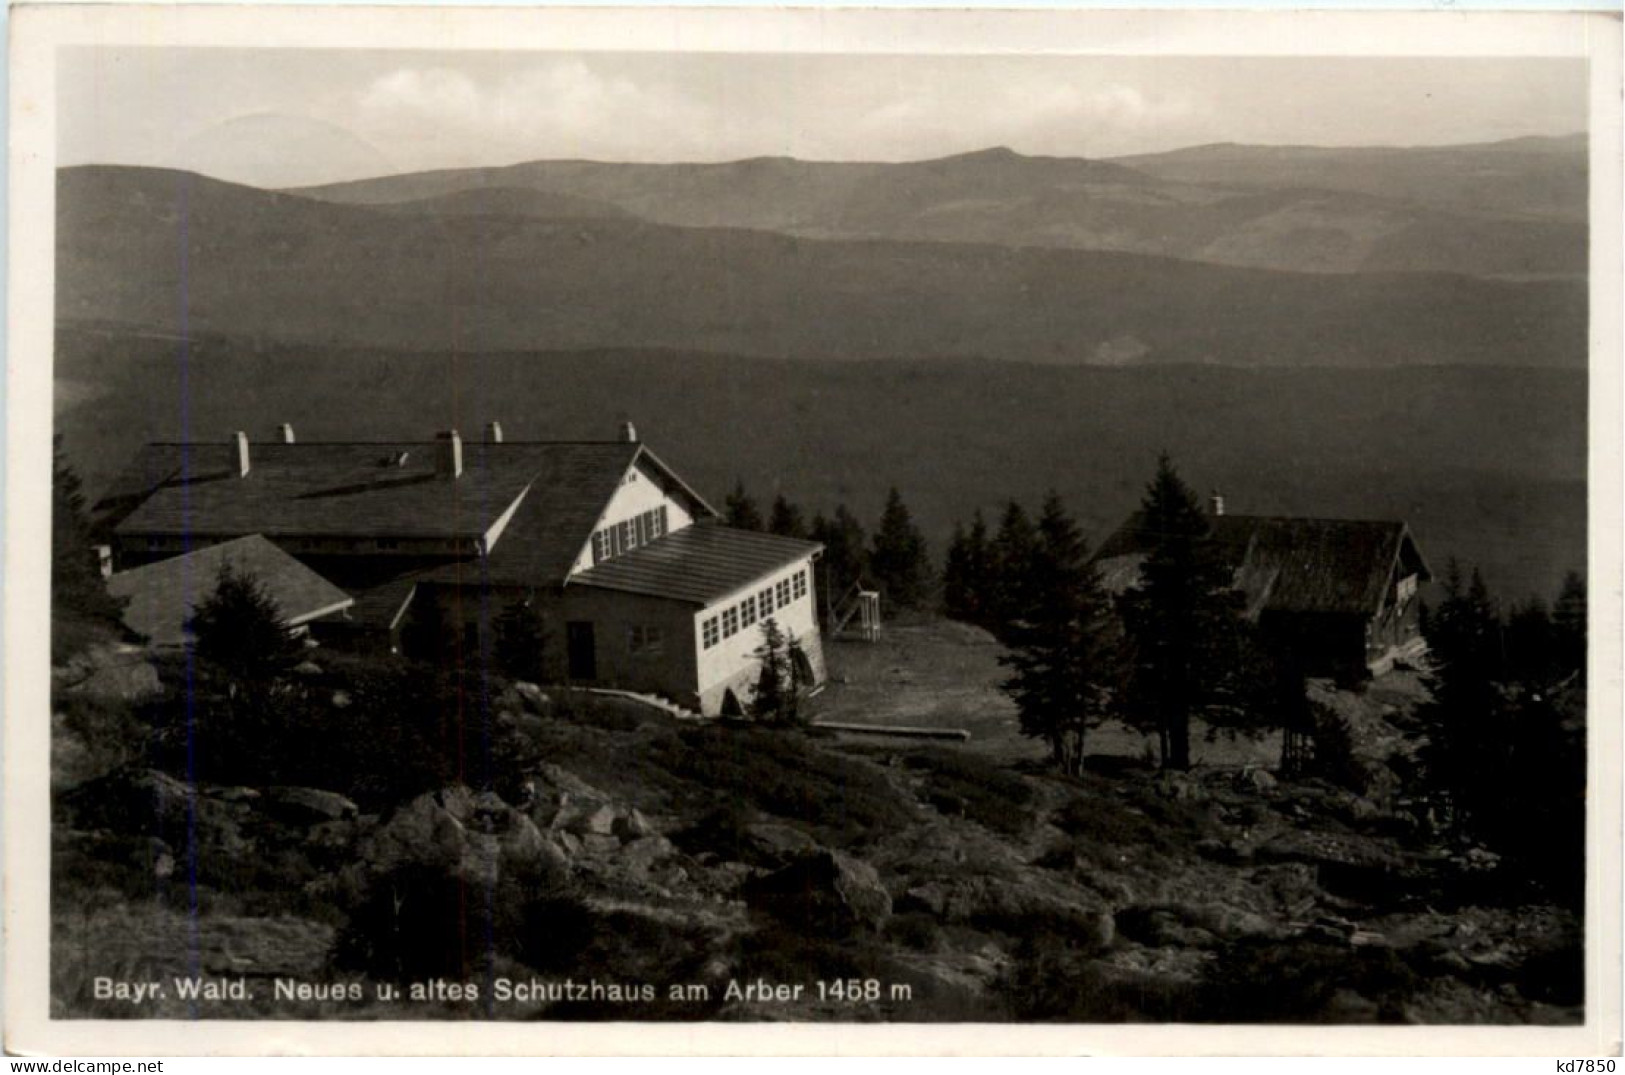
(388, 490)
(697, 564)
(163, 596)
(1285, 564)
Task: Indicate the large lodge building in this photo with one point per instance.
(641, 587)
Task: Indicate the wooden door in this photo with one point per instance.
(582, 650)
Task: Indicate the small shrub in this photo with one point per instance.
(967, 785)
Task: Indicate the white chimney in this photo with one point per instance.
(448, 454)
(241, 440)
(104, 559)
(493, 432)
(629, 433)
(1215, 505)
(285, 433)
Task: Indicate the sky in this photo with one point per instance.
(283, 117)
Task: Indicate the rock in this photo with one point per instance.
(770, 843)
(533, 697)
(633, 826)
(307, 806)
(109, 672)
(341, 700)
(131, 800)
(1254, 779)
(640, 855)
(307, 668)
(594, 821)
(420, 833)
(234, 794)
(824, 892)
(599, 845)
(1180, 787)
(490, 814)
(524, 845)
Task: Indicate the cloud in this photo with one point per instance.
(563, 108)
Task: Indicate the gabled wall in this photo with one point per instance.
(642, 488)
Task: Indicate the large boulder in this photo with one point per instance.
(825, 893)
(153, 803)
(306, 806)
(121, 672)
(421, 833)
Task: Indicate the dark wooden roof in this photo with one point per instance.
(698, 564)
(163, 595)
(362, 490)
(356, 490)
(1285, 564)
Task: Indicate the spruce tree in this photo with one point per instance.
(786, 519)
(1010, 589)
(79, 597)
(1064, 652)
(899, 560)
(844, 559)
(1569, 625)
(238, 633)
(1464, 721)
(740, 511)
(521, 640)
(965, 573)
(1181, 618)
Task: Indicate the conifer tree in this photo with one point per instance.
(521, 639)
(966, 573)
(238, 633)
(898, 558)
(739, 510)
(786, 519)
(1182, 618)
(1064, 653)
(778, 684)
(78, 592)
(1010, 589)
(1569, 625)
(844, 561)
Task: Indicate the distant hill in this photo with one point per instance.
(165, 252)
(1486, 464)
(1534, 177)
(1512, 209)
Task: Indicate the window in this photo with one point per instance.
(626, 535)
(709, 635)
(747, 612)
(645, 640)
(800, 581)
(730, 622)
(781, 592)
(387, 544)
(765, 602)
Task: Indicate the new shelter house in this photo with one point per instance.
(639, 584)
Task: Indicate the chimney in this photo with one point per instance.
(629, 433)
(1215, 504)
(493, 432)
(104, 559)
(448, 454)
(285, 433)
(241, 440)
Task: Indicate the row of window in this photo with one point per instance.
(759, 606)
(628, 534)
